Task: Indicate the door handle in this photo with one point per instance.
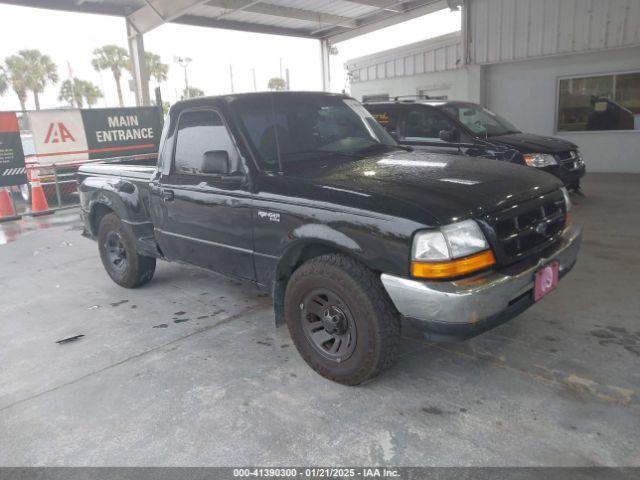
(167, 195)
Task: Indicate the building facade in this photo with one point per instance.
(565, 68)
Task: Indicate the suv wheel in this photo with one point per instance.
(341, 319)
(118, 252)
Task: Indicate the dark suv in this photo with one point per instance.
(467, 128)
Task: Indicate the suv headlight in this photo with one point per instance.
(452, 251)
(539, 160)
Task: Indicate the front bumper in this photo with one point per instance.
(568, 177)
(460, 309)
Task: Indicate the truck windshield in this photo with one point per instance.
(481, 121)
(290, 129)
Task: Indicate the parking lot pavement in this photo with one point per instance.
(191, 371)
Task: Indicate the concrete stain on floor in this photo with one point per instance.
(620, 336)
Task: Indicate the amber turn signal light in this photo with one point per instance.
(453, 268)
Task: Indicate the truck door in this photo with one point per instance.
(202, 204)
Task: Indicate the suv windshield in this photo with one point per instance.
(480, 121)
(286, 129)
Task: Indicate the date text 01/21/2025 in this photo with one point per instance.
(316, 472)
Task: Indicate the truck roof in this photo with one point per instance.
(233, 96)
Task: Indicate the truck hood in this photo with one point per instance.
(531, 143)
(433, 189)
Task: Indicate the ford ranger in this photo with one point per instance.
(306, 196)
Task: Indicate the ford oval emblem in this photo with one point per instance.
(541, 228)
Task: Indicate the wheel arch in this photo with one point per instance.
(96, 214)
(294, 256)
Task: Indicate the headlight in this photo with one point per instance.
(539, 160)
(452, 251)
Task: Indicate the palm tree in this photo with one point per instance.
(114, 58)
(76, 92)
(71, 92)
(155, 68)
(276, 83)
(4, 81)
(40, 70)
(91, 93)
(191, 92)
(16, 70)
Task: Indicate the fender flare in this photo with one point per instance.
(308, 241)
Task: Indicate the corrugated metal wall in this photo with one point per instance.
(424, 57)
(506, 30)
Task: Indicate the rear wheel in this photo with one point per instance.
(122, 262)
(341, 319)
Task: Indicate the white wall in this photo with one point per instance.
(525, 92)
(452, 83)
(507, 30)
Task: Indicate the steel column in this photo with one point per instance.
(138, 65)
(325, 62)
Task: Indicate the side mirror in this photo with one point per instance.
(215, 162)
(450, 136)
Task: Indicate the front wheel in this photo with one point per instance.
(118, 253)
(341, 320)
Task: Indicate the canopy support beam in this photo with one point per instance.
(325, 64)
(138, 65)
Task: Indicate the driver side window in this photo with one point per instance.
(199, 132)
(425, 123)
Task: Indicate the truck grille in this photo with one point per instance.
(571, 160)
(528, 228)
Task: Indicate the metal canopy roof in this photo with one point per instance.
(333, 20)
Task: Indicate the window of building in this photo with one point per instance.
(602, 102)
(201, 131)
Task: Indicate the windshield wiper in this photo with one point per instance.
(383, 147)
(323, 153)
(506, 132)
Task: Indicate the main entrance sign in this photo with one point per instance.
(94, 134)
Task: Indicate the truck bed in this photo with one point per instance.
(133, 171)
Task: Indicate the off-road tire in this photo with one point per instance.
(376, 321)
(139, 268)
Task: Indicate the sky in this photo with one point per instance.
(70, 38)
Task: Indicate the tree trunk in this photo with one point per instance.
(117, 78)
(36, 100)
(22, 100)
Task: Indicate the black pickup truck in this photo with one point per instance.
(306, 196)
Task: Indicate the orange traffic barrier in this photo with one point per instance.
(38, 198)
(6, 207)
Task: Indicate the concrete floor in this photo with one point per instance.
(190, 371)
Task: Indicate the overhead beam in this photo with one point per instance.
(389, 5)
(98, 8)
(198, 21)
(158, 12)
(282, 12)
(384, 19)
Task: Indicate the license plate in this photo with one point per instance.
(546, 280)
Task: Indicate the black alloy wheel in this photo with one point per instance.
(328, 324)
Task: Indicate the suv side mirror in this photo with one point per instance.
(215, 162)
(450, 136)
